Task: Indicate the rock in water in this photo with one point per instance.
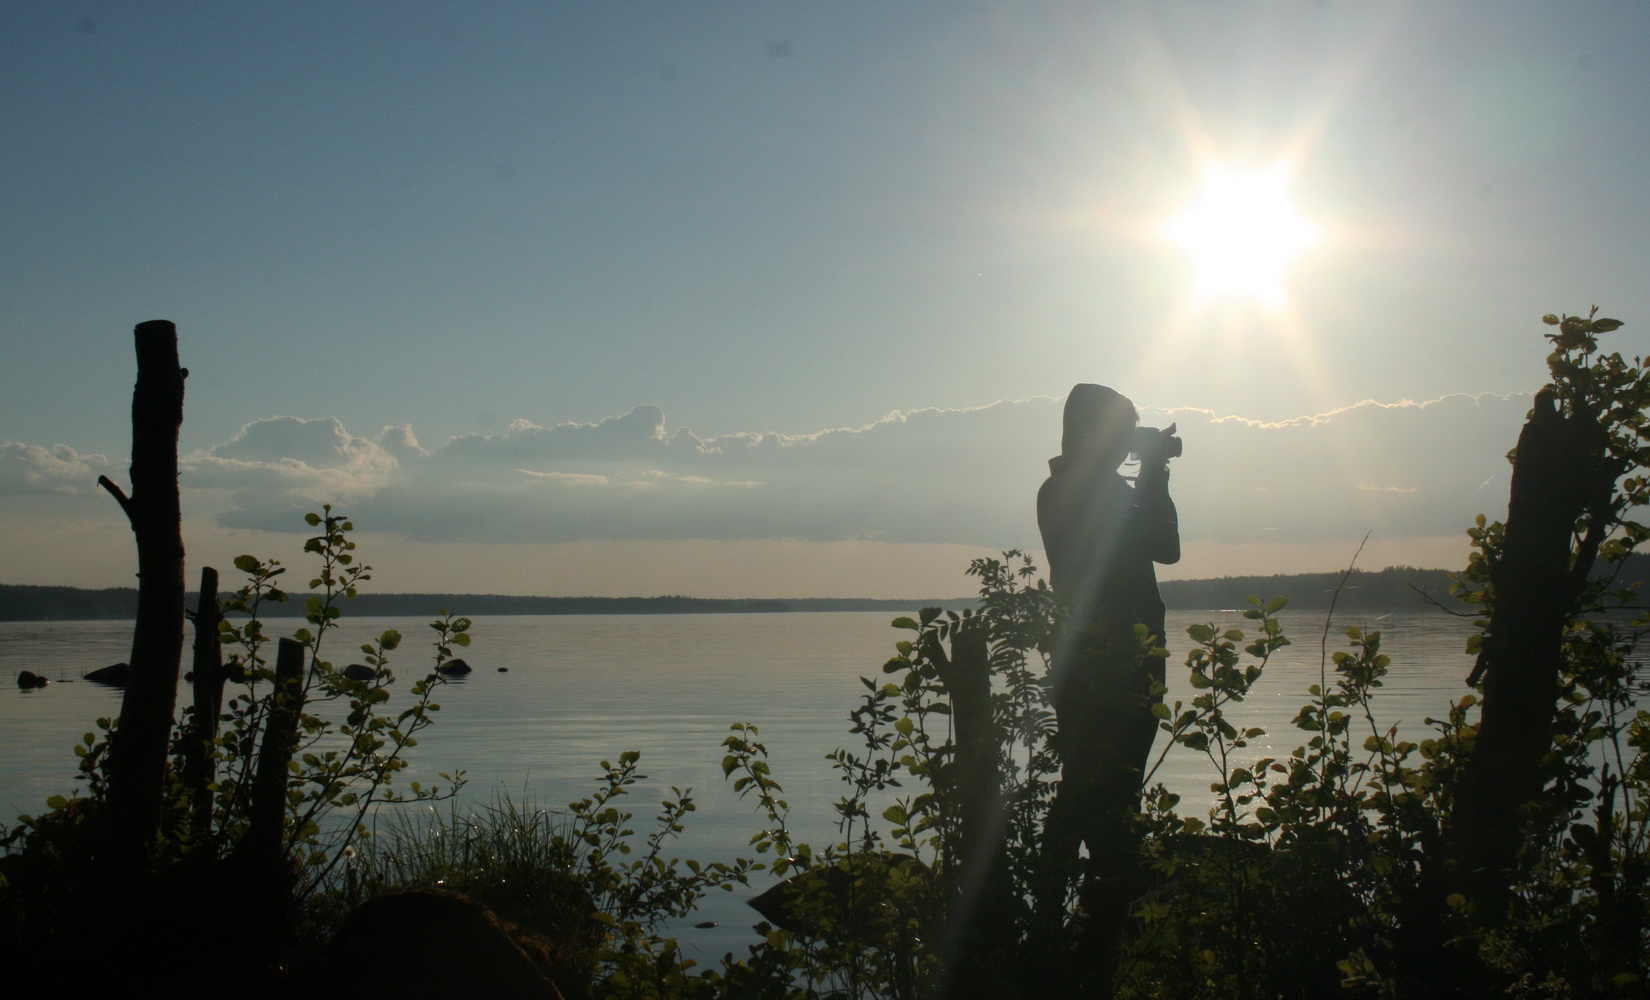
(113, 675)
(860, 899)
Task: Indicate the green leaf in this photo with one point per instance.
(246, 564)
(906, 623)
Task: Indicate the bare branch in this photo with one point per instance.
(118, 493)
(1425, 596)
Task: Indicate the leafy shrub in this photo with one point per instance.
(346, 748)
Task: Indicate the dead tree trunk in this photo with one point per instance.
(208, 691)
(137, 759)
(263, 846)
(977, 778)
(260, 900)
(976, 934)
(1560, 475)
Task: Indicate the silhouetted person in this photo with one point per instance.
(1101, 537)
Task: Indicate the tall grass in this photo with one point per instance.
(517, 858)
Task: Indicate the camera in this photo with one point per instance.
(1154, 445)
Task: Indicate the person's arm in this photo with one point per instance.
(1155, 515)
(1053, 522)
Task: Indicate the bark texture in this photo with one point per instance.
(981, 905)
(263, 846)
(137, 761)
(208, 693)
(1560, 475)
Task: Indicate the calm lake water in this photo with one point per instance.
(580, 689)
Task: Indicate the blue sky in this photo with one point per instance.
(780, 298)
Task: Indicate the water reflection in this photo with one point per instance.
(580, 689)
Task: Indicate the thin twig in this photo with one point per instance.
(1323, 652)
(1440, 605)
(1329, 617)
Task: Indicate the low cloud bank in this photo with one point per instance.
(964, 476)
(30, 468)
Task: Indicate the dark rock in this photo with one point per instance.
(503, 670)
(454, 668)
(360, 672)
(431, 944)
(29, 679)
(860, 899)
(113, 675)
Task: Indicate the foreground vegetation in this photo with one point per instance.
(1503, 855)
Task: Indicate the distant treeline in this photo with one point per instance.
(38, 604)
(431, 605)
(1396, 588)
(27, 603)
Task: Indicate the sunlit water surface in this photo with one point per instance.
(576, 690)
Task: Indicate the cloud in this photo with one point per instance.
(398, 440)
(1405, 469)
(31, 468)
(285, 463)
(581, 478)
(633, 477)
(963, 476)
(318, 443)
(636, 436)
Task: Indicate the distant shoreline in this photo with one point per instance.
(1394, 588)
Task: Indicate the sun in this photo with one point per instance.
(1242, 234)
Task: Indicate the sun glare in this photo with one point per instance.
(1241, 234)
